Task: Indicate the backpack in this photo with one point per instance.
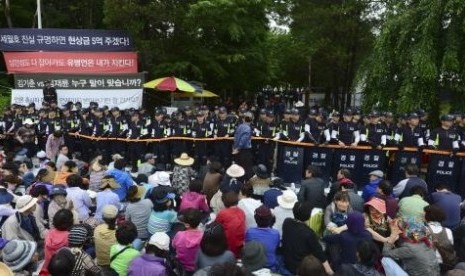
(445, 248)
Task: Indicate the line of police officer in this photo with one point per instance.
(351, 129)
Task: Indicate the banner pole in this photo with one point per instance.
(39, 15)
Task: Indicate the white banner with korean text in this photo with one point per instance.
(122, 98)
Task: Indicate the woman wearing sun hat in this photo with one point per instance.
(183, 173)
(23, 225)
(20, 256)
(286, 202)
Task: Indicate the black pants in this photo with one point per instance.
(223, 151)
(265, 154)
(245, 159)
(160, 149)
(136, 151)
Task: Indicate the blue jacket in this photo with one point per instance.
(450, 203)
(370, 189)
(124, 180)
(243, 137)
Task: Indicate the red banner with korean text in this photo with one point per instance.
(71, 62)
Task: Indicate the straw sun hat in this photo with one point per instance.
(184, 160)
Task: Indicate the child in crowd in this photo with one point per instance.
(187, 243)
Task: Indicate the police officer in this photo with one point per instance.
(269, 130)
(445, 137)
(315, 126)
(180, 127)
(101, 128)
(200, 129)
(223, 128)
(410, 134)
(136, 130)
(423, 123)
(159, 129)
(374, 133)
(295, 127)
(118, 128)
(85, 128)
(70, 124)
(343, 133)
(390, 126)
(49, 92)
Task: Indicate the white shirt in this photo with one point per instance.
(437, 228)
(248, 205)
(61, 160)
(281, 214)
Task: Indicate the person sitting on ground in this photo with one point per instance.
(342, 176)
(405, 186)
(214, 247)
(450, 203)
(347, 241)
(57, 237)
(59, 201)
(299, 241)
(107, 196)
(212, 180)
(194, 198)
(79, 197)
(356, 201)
(121, 177)
(248, 205)
(232, 219)
(261, 181)
(162, 216)
(148, 166)
(41, 212)
(311, 266)
(97, 172)
(370, 189)
(385, 193)
(265, 235)
(253, 258)
(415, 249)
(23, 225)
(413, 206)
(377, 222)
(233, 179)
(104, 236)
(6, 200)
(336, 213)
(138, 212)
(84, 264)
(27, 176)
(313, 187)
(42, 174)
(283, 211)
(154, 260)
(183, 173)
(21, 257)
(122, 253)
(62, 263)
(367, 256)
(62, 156)
(68, 168)
(443, 240)
(270, 197)
(187, 243)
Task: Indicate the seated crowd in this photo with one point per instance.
(100, 219)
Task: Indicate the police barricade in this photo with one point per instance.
(322, 158)
(290, 164)
(401, 159)
(368, 161)
(443, 168)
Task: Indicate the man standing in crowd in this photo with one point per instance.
(49, 93)
(242, 148)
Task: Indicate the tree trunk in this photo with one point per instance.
(7, 14)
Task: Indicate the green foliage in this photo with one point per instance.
(418, 57)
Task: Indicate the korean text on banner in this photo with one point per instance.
(64, 40)
(71, 63)
(60, 81)
(122, 98)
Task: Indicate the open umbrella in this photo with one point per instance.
(203, 94)
(171, 84)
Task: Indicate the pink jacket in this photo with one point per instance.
(187, 244)
(194, 200)
(54, 240)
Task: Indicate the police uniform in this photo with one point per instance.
(201, 130)
(344, 131)
(160, 129)
(409, 135)
(85, 128)
(445, 138)
(118, 129)
(374, 134)
(269, 130)
(136, 130)
(70, 124)
(180, 127)
(224, 128)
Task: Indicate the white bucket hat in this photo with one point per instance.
(160, 178)
(160, 240)
(235, 171)
(287, 199)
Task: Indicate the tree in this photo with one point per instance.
(418, 58)
(336, 36)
